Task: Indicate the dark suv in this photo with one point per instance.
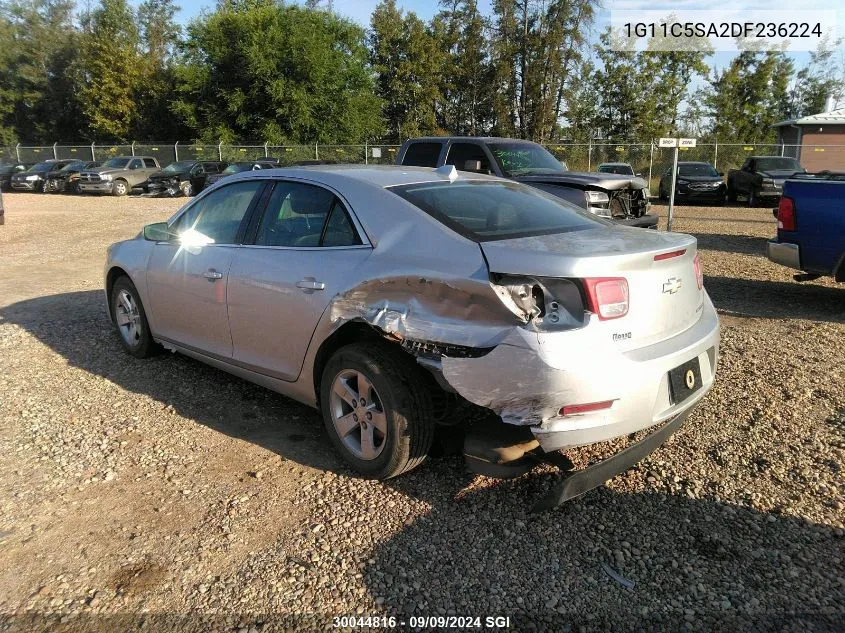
(35, 179)
(184, 177)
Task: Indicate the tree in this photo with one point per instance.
(816, 82)
(407, 62)
(156, 75)
(110, 68)
(259, 70)
(749, 96)
(37, 46)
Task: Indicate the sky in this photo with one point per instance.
(360, 10)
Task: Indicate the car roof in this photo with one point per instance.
(615, 165)
(482, 139)
(380, 176)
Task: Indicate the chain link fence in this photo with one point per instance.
(648, 160)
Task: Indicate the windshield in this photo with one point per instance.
(494, 210)
(45, 166)
(520, 159)
(236, 168)
(117, 162)
(182, 165)
(778, 164)
(71, 167)
(697, 169)
(625, 170)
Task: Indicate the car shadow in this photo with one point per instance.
(695, 564)
(776, 299)
(76, 326)
(745, 244)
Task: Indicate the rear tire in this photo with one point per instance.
(120, 187)
(391, 431)
(129, 317)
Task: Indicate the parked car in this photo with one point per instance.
(388, 296)
(66, 179)
(184, 177)
(35, 178)
(241, 166)
(811, 227)
(623, 169)
(118, 176)
(623, 199)
(7, 170)
(761, 178)
(695, 181)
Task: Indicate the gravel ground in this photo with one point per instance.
(170, 489)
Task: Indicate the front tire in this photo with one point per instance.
(120, 188)
(187, 189)
(377, 409)
(130, 319)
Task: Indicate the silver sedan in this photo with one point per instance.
(394, 299)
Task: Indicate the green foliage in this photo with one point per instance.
(284, 74)
(408, 63)
(110, 64)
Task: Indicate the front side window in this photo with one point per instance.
(136, 164)
(301, 215)
(493, 210)
(216, 218)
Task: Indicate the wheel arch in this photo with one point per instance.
(350, 332)
(115, 272)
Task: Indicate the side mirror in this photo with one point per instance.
(158, 232)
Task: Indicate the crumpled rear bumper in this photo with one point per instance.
(528, 377)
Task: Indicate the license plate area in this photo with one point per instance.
(684, 381)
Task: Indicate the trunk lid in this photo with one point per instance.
(664, 299)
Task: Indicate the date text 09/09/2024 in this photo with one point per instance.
(422, 622)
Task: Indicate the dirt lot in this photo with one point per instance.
(170, 489)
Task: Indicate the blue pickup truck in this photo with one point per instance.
(811, 227)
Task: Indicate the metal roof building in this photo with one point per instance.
(817, 141)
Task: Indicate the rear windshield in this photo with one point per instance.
(624, 170)
(492, 210)
(697, 169)
(777, 164)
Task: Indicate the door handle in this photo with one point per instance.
(310, 284)
(212, 274)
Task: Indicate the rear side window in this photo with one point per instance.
(493, 210)
(422, 155)
(301, 215)
(149, 162)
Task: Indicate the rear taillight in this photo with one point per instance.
(786, 214)
(699, 273)
(607, 296)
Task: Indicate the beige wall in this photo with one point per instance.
(820, 158)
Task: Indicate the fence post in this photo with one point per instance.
(316, 152)
(366, 158)
(18, 151)
(782, 149)
(133, 148)
(93, 154)
(715, 152)
(220, 151)
(650, 162)
(55, 154)
(266, 155)
(176, 151)
(589, 154)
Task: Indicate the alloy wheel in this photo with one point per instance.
(358, 415)
(128, 318)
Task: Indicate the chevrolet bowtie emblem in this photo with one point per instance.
(672, 285)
